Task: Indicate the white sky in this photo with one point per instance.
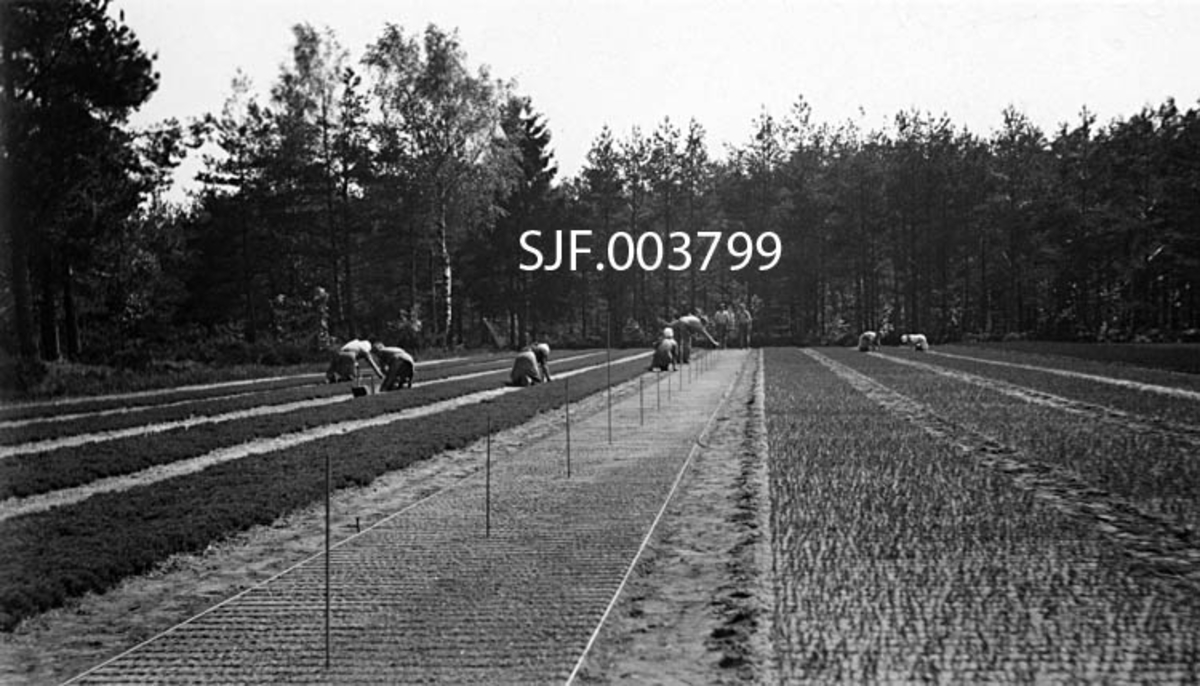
(633, 62)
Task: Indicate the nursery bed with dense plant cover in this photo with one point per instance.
(1100, 358)
(1173, 397)
(1156, 470)
(90, 546)
(900, 557)
(275, 393)
(127, 401)
(33, 473)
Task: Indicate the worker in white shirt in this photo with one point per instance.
(344, 365)
(687, 326)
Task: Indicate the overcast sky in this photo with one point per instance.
(631, 63)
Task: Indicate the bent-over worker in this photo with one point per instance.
(531, 366)
(344, 365)
(398, 365)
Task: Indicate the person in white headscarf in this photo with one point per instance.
(666, 351)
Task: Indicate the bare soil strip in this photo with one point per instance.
(698, 607)
(1125, 383)
(1166, 551)
(1127, 420)
(260, 411)
(14, 507)
(429, 597)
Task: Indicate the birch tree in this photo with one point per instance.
(447, 119)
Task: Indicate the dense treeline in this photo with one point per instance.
(384, 195)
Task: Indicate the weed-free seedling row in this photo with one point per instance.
(31, 474)
(901, 559)
(152, 398)
(1161, 363)
(244, 399)
(1147, 403)
(1156, 472)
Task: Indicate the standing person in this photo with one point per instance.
(398, 365)
(723, 322)
(344, 365)
(744, 323)
(531, 366)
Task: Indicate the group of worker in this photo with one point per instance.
(670, 352)
(396, 367)
(869, 340)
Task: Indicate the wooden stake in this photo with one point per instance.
(608, 373)
(567, 390)
(487, 489)
(328, 603)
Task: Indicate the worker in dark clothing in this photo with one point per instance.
(665, 352)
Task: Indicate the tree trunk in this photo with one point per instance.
(70, 315)
(250, 331)
(47, 311)
(19, 282)
(448, 281)
(346, 255)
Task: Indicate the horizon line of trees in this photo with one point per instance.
(389, 192)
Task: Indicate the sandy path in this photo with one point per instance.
(55, 645)
(1124, 383)
(13, 507)
(698, 609)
